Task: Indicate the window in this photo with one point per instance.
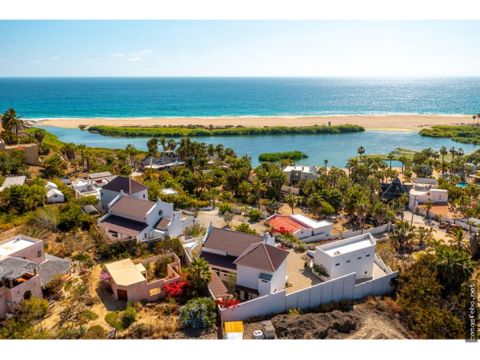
(348, 261)
(368, 255)
(337, 264)
(160, 212)
(144, 196)
(366, 272)
(359, 258)
(39, 253)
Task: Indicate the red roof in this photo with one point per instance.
(283, 224)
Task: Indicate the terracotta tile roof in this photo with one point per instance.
(284, 223)
(128, 185)
(217, 287)
(163, 224)
(122, 225)
(262, 256)
(127, 206)
(232, 242)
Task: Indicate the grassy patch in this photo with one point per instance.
(192, 131)
(285, 155)
(467, 134)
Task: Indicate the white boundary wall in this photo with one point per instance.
(342, 288)
(346, 234)
(462, 223)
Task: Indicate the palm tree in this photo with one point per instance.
(443, 153)
(390, 157)
(325, 162)
(152, 146)
(402, 236)
(11, 122)
(199, 276)
(361, 151)
(258, 189)
(163, 142)
(428, 207)
(453, 266)
(458, 238)
(291, 200)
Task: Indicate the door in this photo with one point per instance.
(122, 295)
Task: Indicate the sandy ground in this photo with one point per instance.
(371, 122)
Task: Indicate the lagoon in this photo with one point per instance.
(337, 149)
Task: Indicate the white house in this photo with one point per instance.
(298, 173)
(129, 186)
(424, 190)
(343, 257)
(86, 188)
(300, 226)
(130, 218)
(259, 266)
(55, 196)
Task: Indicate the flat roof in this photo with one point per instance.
(349, 245)
(314, 224)
(303, 168)
(125, 272)
(14, 245)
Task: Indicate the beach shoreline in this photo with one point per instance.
(369, 122)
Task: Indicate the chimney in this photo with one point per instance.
(268, 239)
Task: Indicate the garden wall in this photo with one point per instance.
(342, 288)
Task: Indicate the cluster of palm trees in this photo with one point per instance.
(12, 126)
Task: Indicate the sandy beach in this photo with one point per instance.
(370, 122)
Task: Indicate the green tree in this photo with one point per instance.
(198, 314)
(54, 166)
(453, 266)
(199, 276)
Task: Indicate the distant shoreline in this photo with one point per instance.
(369, 122)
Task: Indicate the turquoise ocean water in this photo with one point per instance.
(144, 97)
(141, 97)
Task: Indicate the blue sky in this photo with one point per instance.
(239, 48)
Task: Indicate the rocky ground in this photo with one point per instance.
(364, 321)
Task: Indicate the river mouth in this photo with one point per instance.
(336, 148)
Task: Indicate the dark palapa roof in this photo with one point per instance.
(13, 267)
(393, 190)
(125, 184)
(53, 266)
(262, 256)
(122, 225)
(126, 206)
(234, 243)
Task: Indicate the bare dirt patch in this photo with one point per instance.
(364, 321)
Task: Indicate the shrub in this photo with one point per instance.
(112, 319)
(245, 228)
(55, 285)
(95, 332)
(128, 316)
(198, 314)
(225, 207)
(320, 270)
(254, 215)
(86, 316)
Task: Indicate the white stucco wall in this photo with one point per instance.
(359, 262)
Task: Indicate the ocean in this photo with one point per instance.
(35, 98)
